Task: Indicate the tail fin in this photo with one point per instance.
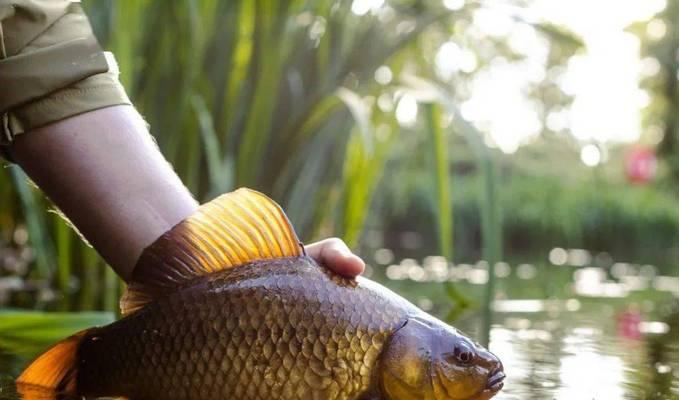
(53, 371)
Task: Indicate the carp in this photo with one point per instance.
(226, 305)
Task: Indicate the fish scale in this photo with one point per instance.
(256, 332)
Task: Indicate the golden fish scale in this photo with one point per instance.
(284, 329)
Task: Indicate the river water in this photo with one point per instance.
(586, 354)
(605, 347)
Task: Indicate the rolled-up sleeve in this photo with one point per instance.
(51, 66)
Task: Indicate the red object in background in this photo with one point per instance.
(628, 323)
(641, 165)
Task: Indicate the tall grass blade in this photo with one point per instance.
(492, 239)
(363, 164)
(266, 74)
(219, 171)
(361, 114)
(35, 224)
(89, 279)
(491, 223)
(64, 241)
(443, 202)
(111, 290)
(28, 332)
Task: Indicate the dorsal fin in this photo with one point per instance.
(231, 230)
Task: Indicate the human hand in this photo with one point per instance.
(335, 254)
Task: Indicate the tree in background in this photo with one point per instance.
(660, 47)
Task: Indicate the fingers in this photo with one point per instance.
(335, 254)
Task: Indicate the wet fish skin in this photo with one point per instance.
(284, 329)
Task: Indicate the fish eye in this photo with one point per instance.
(464, 353)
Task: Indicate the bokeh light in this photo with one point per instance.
(590, 155)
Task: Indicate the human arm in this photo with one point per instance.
(105, 173)
(69, 124)
(103, 170)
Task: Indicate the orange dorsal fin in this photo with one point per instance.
(234, 229)
(54, 371)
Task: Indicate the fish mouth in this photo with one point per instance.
(493, 386)
(495, 381)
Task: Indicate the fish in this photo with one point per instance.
(227, 305)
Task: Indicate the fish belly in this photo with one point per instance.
(275, 331)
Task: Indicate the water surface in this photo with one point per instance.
(564, 348)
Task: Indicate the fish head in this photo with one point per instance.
(428, 360)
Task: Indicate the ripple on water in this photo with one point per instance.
(581, 356)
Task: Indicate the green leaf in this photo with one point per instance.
(361, 113)
(220, 172)
(25, 332)
(36, 224)
(444, 205)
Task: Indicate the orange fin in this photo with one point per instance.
(55, 371)
(231, 230)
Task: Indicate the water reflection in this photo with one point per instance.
(590, 278)
(580, 355)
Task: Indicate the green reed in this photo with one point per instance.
(271, 95)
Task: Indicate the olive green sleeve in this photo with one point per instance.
(51, 66)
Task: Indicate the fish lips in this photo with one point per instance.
(494, 385)
(496, 380)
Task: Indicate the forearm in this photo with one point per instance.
(103, 170)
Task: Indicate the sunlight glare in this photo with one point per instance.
(605, 85)
(604, 78)
(650, 66)
(385, 102)
(406, 111)
(383, 75)
(525, 41)
(656, 29)
(558, 120)
(499, 105)
(494, 22)
(450, 59)
(362, 7)
(588, 375)
(446, 61)
(453, 4)
(590, 155)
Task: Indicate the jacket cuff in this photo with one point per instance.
(51, 66)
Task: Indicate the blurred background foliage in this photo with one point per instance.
(660, 41)
(347, 114)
